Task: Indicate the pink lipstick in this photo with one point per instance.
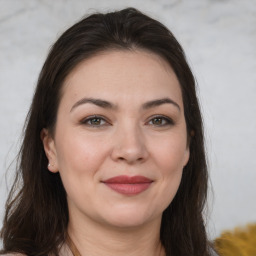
(128, 185)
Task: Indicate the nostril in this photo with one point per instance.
(129, 149)
(131, 160)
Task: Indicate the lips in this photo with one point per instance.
(128, 185)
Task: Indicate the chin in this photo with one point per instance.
(129, 218)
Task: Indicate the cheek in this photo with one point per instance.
(171, 167)
(169, 159)
(171, 154)
(79, 160)
(80, 155)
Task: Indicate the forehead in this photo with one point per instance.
(122, 74)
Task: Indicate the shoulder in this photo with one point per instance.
(213, 252)
(13, 254)
(65, 250)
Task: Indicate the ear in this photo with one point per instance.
(187, 151)
(50, 150)
(186, 156)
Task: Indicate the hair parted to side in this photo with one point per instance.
(36, 216)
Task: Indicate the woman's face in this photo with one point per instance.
(120, 142)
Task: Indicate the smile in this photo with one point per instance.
(128, 185)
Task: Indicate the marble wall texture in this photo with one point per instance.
(219, 37)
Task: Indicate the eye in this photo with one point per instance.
(160, 121)
(94, 121)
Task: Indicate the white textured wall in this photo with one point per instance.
(219, 37)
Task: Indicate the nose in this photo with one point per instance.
(129, 146)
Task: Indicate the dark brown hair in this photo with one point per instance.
(36, 216)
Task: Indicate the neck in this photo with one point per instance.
(96, 239)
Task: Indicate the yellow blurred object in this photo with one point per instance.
(240, 242)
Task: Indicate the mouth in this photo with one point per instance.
(128, 185)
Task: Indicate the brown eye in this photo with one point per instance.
(160, 121)
(94, 121)
(157, 121)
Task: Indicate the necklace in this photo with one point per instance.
(72, 247)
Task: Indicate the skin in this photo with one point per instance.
(124, 140)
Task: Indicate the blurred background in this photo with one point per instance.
(219, 38)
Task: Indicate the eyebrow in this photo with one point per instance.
(106, 104)
(97, 102)
(156, 103)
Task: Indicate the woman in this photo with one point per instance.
(112, 161)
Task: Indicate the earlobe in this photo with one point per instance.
(186, 156)
(187, 151)
(50, 150)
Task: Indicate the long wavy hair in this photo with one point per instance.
(36, 216)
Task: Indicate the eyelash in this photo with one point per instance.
(90, 118)
(167, 120)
